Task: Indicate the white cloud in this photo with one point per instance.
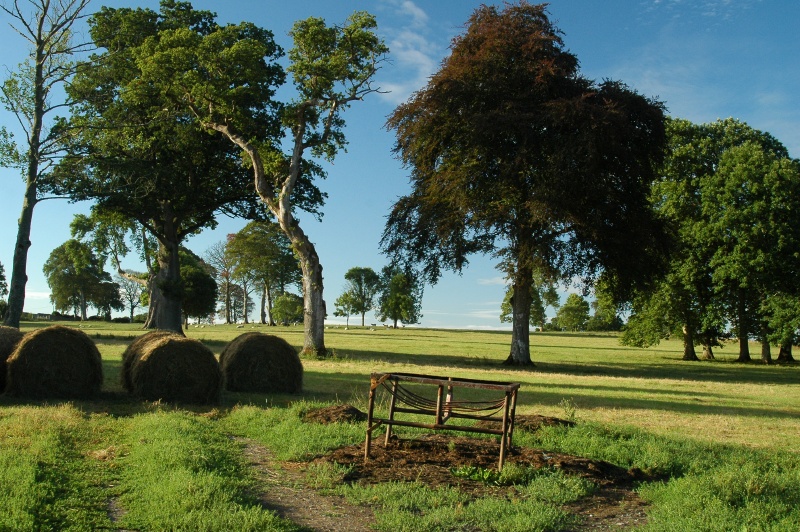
(493, 281)
(415, 56)
(37, 295)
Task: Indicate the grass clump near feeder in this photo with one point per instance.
(9, 338)
(134, 349)
(258, 362)
(55, 362)
(172, 368)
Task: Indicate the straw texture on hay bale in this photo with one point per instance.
(175, 369)
(55, 362)
(9, 338)
(134, 349)
(257, 362)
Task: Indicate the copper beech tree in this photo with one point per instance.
(513, 152)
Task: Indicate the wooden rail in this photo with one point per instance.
(444, 408)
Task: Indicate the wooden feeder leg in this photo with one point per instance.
(369, 422)
(391, 414)
(504, 437)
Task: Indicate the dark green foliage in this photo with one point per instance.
(256, 362)
(400, 299)
(172, 368)
(55, 362)
(9, 338)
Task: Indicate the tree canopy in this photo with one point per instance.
(731, 194)
(513, 152)
(226, 80)
(141, 155)
(33, 92)
(400, 299)
(77, 280)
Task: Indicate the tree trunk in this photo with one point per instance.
(744, 333)
(19, 275)
(766, 354)
(362, 318)
(264, 303)
(165, 301)
(313, 303)
(521, 311)
(83, 306)
(785, 353)
(689, 352)
(708, 353)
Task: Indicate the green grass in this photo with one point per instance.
(722, 437)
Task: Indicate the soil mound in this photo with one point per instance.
(55, 362)
(9, 338)
(335, 414)
(175, 369)
(261, 363)
(530, 423)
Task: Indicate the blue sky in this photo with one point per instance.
(706, 59)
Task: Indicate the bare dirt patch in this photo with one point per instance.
(430, 459)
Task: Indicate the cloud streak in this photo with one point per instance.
(415, 54)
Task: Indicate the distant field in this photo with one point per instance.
(619, 394)
(653, 389)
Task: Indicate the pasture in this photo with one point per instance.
(706, 445)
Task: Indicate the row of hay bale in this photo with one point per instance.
(62, 362)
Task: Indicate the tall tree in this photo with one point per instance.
(225, 81)
(363, 285)
(217, 257)
(729, 193)
(141, 155)
(199, 289)
(400, 299)
(513, 152)
(29, 93)
(76, 278)
(573, 315)
(131, 291)
(345, 306)
(262, 249)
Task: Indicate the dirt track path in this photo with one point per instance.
(284, 492)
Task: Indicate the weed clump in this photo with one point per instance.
(9, 338)
(55, 362)
(134, 350)
(169, 367)
(258, 362)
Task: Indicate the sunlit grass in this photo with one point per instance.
(722, 435)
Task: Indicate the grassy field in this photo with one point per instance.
(725, 433)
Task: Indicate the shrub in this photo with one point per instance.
(172, 368)
(257, 362)
(9, 338)
(55, 362)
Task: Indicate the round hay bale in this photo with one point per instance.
(258, 362)
(9, 338)
(175, 369)
(55, 362)
(134, 349)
